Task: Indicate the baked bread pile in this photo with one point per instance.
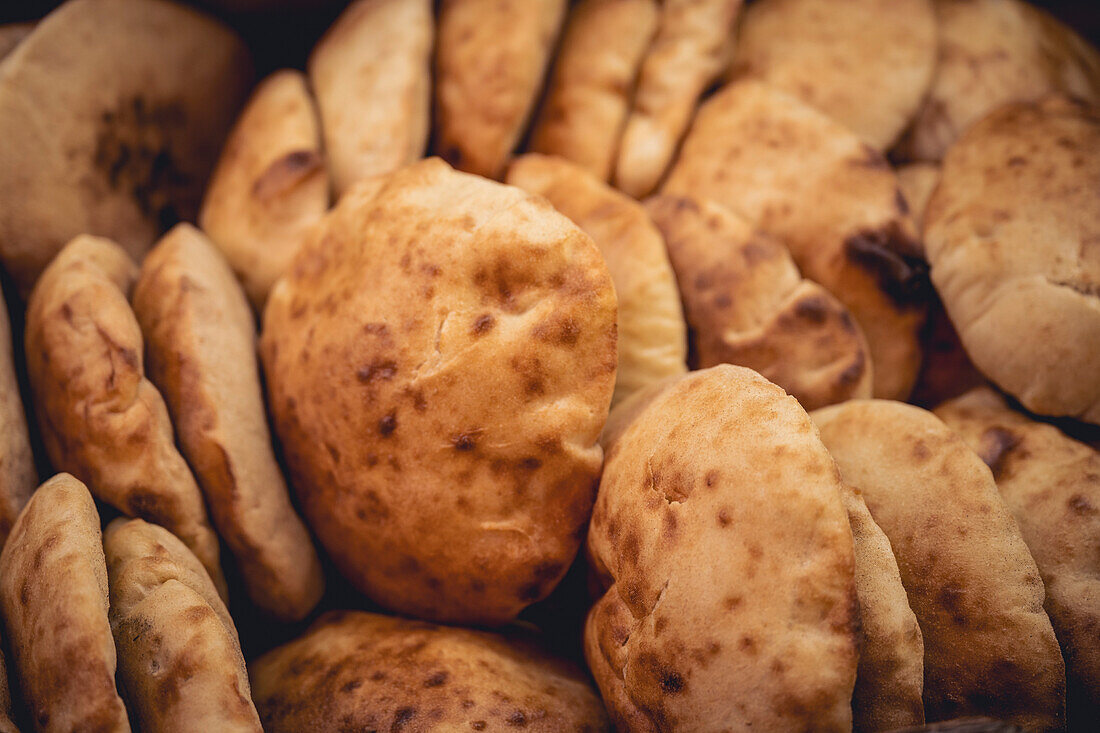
(648, 365)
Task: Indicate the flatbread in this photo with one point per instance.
(989, 648)
(371, 73)
(270, 184)
(652, 333)
(200, 345)
(100, 417)
(18, 476)
(53, 594)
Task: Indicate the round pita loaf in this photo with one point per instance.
(371, 73)
(440, 359)
(991, 53)
(361, 671)
(111, 113)
(1051, 485)
(798, 175)
(688, 52)
(179, 659)
(100, 417)
(1011, 235)
(588, 95)
(200, 342)
(53, 594)
(865, 63)
(720, 530)
(747, 304)
(652, 332)
(490, 61)
(18, 475)
(989, 648)
(270, 184)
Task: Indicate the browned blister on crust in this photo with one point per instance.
(991, 53)
(652, 332)
(732, 599)
(100, 417)
(179, 659)
(439, 361)
(18, 476)
(371, 73)
(201, 349)
(112, 113)
(989, 648)
(589, 92)
(1051, 485)
(747, 304)
(798, 175)
(890, 678)
(53, 594)
(490, 61)
(687, 54)
(270, 184)
(865, 63)
(361, 671)
(1011, 234)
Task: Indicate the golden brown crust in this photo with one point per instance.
(371, 73)
(439, 362)
(53, 593)
(200, 345)
(652, 332)
(100, 417)
(361, 671)
(18, 476)
(1051, 485)
(688, 52)
(491, 58)
(589, 92)
(865, 63)
(1011, 236)
(270, 184)
(991, 53)
(728, 606)
(747, 304)
(989, 648)
(179, 659)
(799, 176)
(114, 133)
(890, 677)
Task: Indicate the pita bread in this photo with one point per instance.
(53, 594)
(747, 304)
(440, 359)
(991, 53)
(890, 677)
(111, 113)
(360, 671)
(18, 476)
(729, 606)
(1051, 485)
(100, 417)
(652, 333)
(11, 35)
(200, 346)
(688, 52)
(801, 177)
(1009, 234)
(589, 92)
(270, 184)
(490, 61)
(822, 52)
(371, 73)
(179, 659)
(988, 645)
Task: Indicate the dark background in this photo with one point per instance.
(283, 37)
